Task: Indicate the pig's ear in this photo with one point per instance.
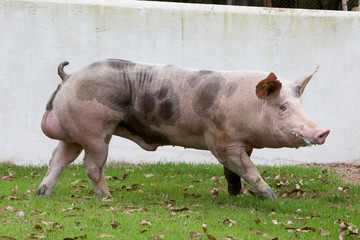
(268, 87)
(301, 82)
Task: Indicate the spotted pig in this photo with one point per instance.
(227, 113)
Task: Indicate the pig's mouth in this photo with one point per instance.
(318, 138)
(307, 141)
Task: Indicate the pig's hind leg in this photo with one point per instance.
(63, 155)
(94, 161)
(233, 181)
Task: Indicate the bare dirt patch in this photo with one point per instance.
(349, 173)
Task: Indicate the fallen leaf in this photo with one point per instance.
(114, 224)
(73, 216)
(303, 229)
(215, 179)
(179, 209)
(75, 238)
(57, 226)
(229, 222)
(158, 236)
(20, 214)
(38, 227)
(73, 208)
(196, 235)
(10, 208)
(145, 230)
(144, 222)
(193, 195)
(149, 175)
(36, 236)
(108, 199)
(211, 237)
(78, 181)
(14, 191)
(204, 227)
(7, 238)
(105, 235)
(214, 192)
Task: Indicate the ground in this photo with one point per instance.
(349, 173)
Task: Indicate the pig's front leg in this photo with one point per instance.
(63, 155)
(237, 160)
(233, 180)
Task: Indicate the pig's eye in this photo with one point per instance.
(284, 109)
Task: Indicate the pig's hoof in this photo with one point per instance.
(268, 195)
(272, 194)
(42, 189)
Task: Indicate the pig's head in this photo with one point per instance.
(285, 119)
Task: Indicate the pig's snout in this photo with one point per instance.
(311, 134)
(321, 136)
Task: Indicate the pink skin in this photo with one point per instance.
(262, 111)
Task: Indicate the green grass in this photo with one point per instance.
(173, 201)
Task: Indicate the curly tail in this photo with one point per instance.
(61, 72)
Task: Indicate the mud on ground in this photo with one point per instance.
(349, 173)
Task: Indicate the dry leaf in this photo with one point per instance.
(229, 221)
(10, 208)
(78, 181)
(196, 235)
(204, 227)
(57, 226)
(144, 222)
(108, 199)
(114, 224)
(149, 175)
(105, 235)
(14, 191)
(211, 237)
(215, 179)
(37, 236)
(158, 236)
(7, 238)
(20, 214)
(214, 192)
(38, 227)
(173, 209)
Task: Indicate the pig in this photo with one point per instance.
(226, 112)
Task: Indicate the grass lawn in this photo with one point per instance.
(177, 201)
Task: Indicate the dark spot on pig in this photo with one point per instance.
(115, 97)
(166, 110)
(162, 93)
(137, 127)
(49, 105)
(107, 139)
(219, 121)
(208, 95)
(196, 77)
(230, 89)
(120, 64)
(164, 105)
(296, 91)
(147, 103)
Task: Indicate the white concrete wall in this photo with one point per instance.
(35, 36)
